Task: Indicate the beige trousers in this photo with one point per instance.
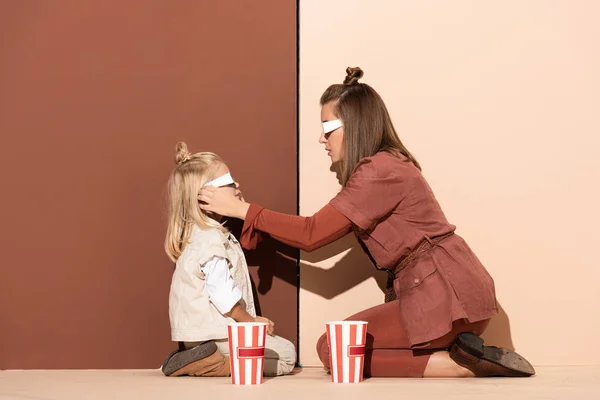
(280, 354)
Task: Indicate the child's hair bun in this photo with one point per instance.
(182, 154)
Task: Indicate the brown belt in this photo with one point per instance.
(424, 246)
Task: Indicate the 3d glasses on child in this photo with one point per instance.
(223, 180)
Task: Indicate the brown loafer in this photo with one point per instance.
(214, 365)
(486, 361)
(180, 358)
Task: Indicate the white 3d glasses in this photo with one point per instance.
(330, 126)
(223, 180)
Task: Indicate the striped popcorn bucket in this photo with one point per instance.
(247, 352)
(346, 341)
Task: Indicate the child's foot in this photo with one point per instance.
(470, 353)
(180, 358)
(214, 365)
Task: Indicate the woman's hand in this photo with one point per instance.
(223, 201)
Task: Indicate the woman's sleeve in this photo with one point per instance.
(305, 233)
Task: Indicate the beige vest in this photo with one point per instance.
(193, 317)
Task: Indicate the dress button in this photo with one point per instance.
(416, 281)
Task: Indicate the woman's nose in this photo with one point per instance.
(322, 139)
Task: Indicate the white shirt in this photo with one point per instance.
(220, 285)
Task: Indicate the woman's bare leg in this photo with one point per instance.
(440, 365)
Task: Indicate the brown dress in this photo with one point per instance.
(437, 287)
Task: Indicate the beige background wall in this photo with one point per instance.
(500, 103)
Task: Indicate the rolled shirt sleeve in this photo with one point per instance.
(220, 286)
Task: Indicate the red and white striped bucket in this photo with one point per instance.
(247, 352)
(346, 341)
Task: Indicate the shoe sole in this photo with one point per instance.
(473, 345)
(178, 359)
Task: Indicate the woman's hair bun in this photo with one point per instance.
(353, 74)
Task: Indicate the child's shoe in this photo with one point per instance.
(214, 365)
(179, 359)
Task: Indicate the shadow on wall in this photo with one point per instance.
(351, 270)
(265, 264)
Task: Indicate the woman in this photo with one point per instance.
(439, 298)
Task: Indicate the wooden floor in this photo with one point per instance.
(572, 383)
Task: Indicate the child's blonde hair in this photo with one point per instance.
(186, 180)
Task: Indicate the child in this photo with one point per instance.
(211, 285)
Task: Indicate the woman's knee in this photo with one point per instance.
(323, 349)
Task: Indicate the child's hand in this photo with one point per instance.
(270, 324)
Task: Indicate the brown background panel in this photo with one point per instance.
(94, 96)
